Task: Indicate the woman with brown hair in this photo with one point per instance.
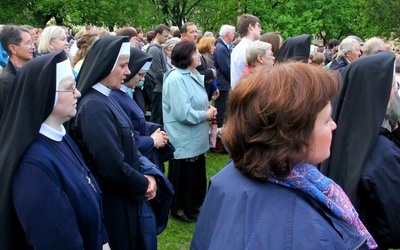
(278, 128)
(131, 32)
(275, 39)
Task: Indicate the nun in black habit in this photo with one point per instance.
(295, 49)
(364, 160)
(149, 140)
(146, 141)
(49, 199)
(105, 136)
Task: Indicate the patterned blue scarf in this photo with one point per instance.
(309, 180)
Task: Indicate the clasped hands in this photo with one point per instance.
(160, 138)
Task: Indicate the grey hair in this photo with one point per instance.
(346, 46)
(373, 45)
(208, 34)
(171, 43)
(256, 49)
(225, 29)
(11, 34)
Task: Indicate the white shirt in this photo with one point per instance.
(238, 60)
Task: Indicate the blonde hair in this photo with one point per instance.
(48, 34)
(317, 58)
(84, 42)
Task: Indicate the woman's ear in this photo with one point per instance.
(260, 59)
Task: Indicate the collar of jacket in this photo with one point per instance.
(196, 75)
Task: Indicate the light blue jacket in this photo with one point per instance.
(184, 103)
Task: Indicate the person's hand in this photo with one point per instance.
(106, 247)
(211, 112)
(160, 138)
(151, 189)
(215, 95)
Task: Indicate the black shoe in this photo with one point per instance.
(183, 217)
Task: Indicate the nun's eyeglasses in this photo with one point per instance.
(72, 89)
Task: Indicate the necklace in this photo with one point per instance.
(64, 146)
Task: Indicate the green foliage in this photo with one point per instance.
(329, 19)
(380, 18)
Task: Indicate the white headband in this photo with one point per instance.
(63, 69)
(124, 50)
(146, 66)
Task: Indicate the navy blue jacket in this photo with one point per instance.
(142, 128)
(56, 206)
(339, 64)
(241, 213)
(153, 214)
(222, 62)
(105, 136)
(380, 181)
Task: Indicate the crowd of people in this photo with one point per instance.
(87, 123)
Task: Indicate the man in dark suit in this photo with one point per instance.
(222, 58)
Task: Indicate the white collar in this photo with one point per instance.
(51, 133)
(123, 88)
(102, 89)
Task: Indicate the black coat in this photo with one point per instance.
(205, 70)
(6, 79)
(295, 49)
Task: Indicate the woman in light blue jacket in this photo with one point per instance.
(186, 113)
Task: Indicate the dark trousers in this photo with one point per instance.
(156, 108)
(220, 104)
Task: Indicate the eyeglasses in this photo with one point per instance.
(396, 86)
(72, 89)
(29, 44)
(141, 75)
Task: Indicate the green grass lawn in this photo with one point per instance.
(178, 235)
